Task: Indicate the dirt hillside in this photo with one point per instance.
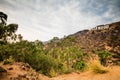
(22, 71)
(19, 71)
(113, 74)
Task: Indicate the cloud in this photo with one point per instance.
(44, 19)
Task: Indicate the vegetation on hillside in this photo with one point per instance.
(55, 57)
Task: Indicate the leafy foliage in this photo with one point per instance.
(55, 57)
(8, 61)
(7, 32)
(80, 65)
(104, 56)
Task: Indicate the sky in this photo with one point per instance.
(44, 19)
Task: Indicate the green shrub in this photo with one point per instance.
(80, 65)
(8, 61)
(52, 73)
(42, 63)
(104, 56)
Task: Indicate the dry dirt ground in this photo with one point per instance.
(113, 74)
(21, 69)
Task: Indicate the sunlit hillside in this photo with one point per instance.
(86, 55)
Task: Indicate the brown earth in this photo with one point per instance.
(22, 71)
(113, 74)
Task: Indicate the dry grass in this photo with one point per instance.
(96, 67)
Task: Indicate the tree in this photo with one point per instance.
(55, 39)
(7, 32)
(3, 18)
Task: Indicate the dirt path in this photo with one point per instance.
(18, 69)
(113, 74)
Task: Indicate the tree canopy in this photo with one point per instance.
(7, 31)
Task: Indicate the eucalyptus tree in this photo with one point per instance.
(7, 31)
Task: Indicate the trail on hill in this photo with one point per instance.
(113, 74)
(22, 71)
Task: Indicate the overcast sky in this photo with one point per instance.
(45, 19)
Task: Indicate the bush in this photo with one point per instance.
(104, 56)
(52, 72)
(42, 63)
(8, 61)
(96, 67)
(80, 65)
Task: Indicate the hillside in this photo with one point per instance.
(59, 59)
(102, 37)
(19, 71)
(113, 74)
(22, 71)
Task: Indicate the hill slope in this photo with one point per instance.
(102, 37)
(113, 74)
(66, 53)
(19, 71)
(22, 71)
